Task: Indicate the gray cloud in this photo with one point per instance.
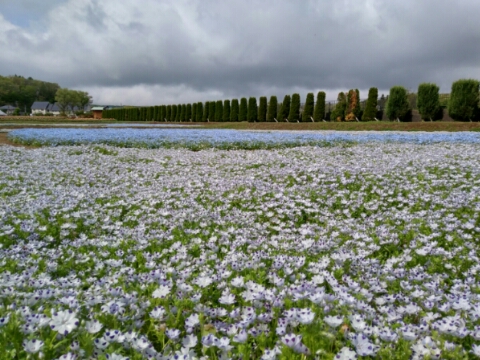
(192, 50)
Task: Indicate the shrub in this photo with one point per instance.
(319, 114)
(428, 101)
(234, 110)
(262, 109)
(294, 114)
(252, 111)
(463, 103)
(308, 109)
(226, 110)
(272, 109)
(352, 111)
(219, 111)
(370, 112)
(338, 111)
(397, 107)
(200, 113)
(211, 111)
(285, 109)
(242, 114)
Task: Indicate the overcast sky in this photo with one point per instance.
(153, 52)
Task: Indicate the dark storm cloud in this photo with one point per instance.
(246, 48)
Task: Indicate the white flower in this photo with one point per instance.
(161, 292)
(305, 316)
(32, 346)
(64, 321)
(116, 357)
(295, 343)
(203, 281)
(345, 354)
(93, 326)
(192, 321)
(476, 350)
(189, 341)
(333, 321)
(173, 333)
(158, 313)
(227, 298)
(363, 346)
(68, 356)
(237, 282)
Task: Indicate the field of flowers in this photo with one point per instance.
(353, 250)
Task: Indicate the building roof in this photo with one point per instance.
(40, 105)
(97, 108)
(2, 113)
(7, 107)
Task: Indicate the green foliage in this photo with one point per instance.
(397, 105)
(242, 114)
(428, 101)
(234, 110)
(285, 108)
(200, 113)
(352, 111)
(69, 99)
(320, 106)
(188, 112)
(205, 117)
(272, 109)
(464, 98)
(183, 112)
(219, 111)
(194, 112)
(174, 113)
(262, 109)
(338, 112)
(211, 110)
(370, 112)
(308, 109)
(226, 110)
(148, 113)
(294, 114)
(252, 111)
(168, 113)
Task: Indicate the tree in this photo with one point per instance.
(234, 110)
(242, 114)
(319, 114)
(285, 109)
(183, 113)
(149, 114)
(168, 113)
(83, 100)
(397, 104)
(205, 117)
(463, 103)
(338, 112)
(308, 109)
(211, 110)
(428, 100)
(194, 112)
(65, 98)
(173, 116)
(272, 109)
(352, 111)
(262, 109)
(188, 113)
(252, 111)
(199, 112)
(226, 110)
(294, 114)
(370, 112)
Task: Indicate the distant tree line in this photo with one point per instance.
(23, 92)
(463, 104)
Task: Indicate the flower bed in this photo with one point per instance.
(365, 250)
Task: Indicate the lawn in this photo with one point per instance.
(361, 250)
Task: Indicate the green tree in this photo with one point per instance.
(226, 110)
(338, 111)
(428, 101)
(242, 114)
(194, 112)
(294, 114)
(319, 114)
(370, 112)
(65, 99)
(252, 111)
(464, 97)
(262, 109)
(183, 112)
(173, 117)
(272, 109)
(219, 111)
(308, 109)
(188, 113)
(200, 112)
(148, 114)
(211, 110)
(285, 109)
(168, 113)
(205, 117)
(397, 104)
(234, 110)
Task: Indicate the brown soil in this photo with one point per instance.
(4, 141)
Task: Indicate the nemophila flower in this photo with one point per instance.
(172, 334)
(227, 298)
(32, 346)
(363, 346)
(4, 320)
(426, 347)
(475, 350)
(241, 336)
(115, 356)
(295, 343)
(158, 313)
(93, 326)
(64, 321)
(345, 354)
(161, 292)
(68, 356)
(333, 321)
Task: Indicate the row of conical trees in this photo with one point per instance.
(463, 105)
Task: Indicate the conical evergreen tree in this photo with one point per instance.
(285, 110)
(320, 106)
(428, 101)
(370, 112)
(262, 109)
(174, 113)
(188, 113)
(272, 109)
(234, 110)
(205, 117)
(242, 114)
(168, 113)
(199, 112)
(252, 111)
(308, 109)
(294, 114)
(194, 112)
(464, 98)
(211, 111)
(338, 112)
(219, 111)
(397, 107)
(226, 110)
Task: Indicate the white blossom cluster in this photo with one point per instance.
(337, 252)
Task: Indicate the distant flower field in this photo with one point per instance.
(197, 139)
(340, 252)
